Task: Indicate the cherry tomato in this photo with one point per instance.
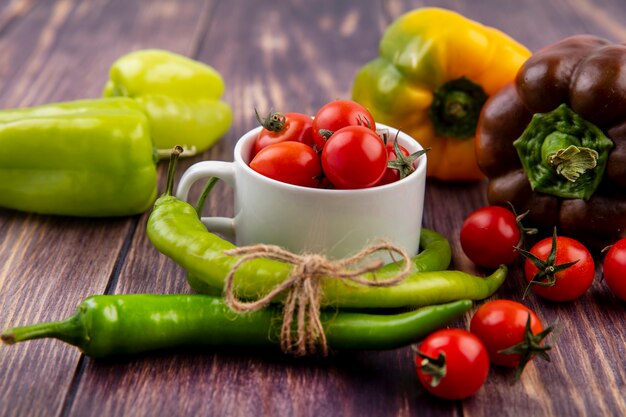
(452, 364)
(293, 127)
(291, 162)
(354, 157)
(614, 269)
(489, 236)
(568, 276)
(501, 324)
(392, 174)
(337, 114)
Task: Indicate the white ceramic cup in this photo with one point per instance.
(335, 223)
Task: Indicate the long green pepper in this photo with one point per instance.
(109, 325)
(176, 231)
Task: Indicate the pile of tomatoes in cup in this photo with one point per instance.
(338, 148)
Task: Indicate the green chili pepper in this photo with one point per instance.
(175, 230)
(107, 325)
(434, 256)
(180, 96)
(80, 158)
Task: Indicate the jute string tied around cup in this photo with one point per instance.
(303, 288)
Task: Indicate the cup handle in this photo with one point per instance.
(206, 169)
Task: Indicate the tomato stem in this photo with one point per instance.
(384, 135)
(546, 277)
(523, 230)
(274, 121)
(531, 345)
(435, 367)
(403, 163)
(326, 134)
(363, 121)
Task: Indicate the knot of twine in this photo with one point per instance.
(304, 290)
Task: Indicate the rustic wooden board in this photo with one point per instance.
(292, 56)
(241, 383)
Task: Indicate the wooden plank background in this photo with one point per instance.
(292, 55)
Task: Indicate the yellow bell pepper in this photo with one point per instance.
(435, 71)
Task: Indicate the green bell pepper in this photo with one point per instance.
(91, 158)
(180, 96)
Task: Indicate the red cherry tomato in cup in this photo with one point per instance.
(501, 324)
(291, 162)
(392, 174)
(354, 157)
(614, 269)
(292, 127)
(337, 114)
(452, 364)
(489, 236)
(568, 282)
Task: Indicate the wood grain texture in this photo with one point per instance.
(290, 56)
(61, 51)
(47, 266)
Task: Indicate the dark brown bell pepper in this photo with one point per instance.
(554, 141)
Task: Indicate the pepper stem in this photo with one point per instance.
(564, 153)
(70, 330)
(456, 108)
(187, 151)
(205, 193)
(573, 161)
(171, 169)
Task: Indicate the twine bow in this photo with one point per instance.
(304, 289)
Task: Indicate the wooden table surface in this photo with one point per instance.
(291, 55)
